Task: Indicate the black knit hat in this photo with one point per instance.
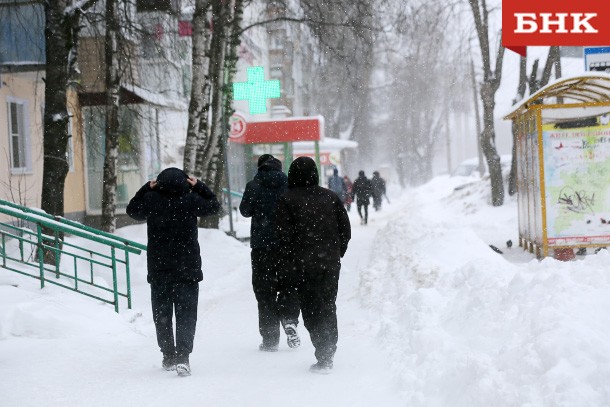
(263, 159)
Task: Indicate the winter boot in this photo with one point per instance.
(182, 366)
(292, 336)
(267, 348)
(324, 367)
(169, 361)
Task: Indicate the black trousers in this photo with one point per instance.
(365, 204)
(275, 292)
(181, 297)
(377, 202)
(318, 294)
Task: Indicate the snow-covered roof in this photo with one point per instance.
(588, 87)
(156, 98)
(328, 144)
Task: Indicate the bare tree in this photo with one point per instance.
(200, 88)
(489, 86)
(113, 88)
(215, 42)
(62, 27)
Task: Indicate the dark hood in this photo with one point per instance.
(303, 173)
(272, 164)
(172, 181)
(271, 176)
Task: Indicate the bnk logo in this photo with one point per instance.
(548, 23)
(555, 22)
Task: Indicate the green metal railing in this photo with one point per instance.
(83, 268)
(233, 193)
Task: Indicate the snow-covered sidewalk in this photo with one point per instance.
(428, 316)
(60, 349)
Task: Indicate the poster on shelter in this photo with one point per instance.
(577, 182)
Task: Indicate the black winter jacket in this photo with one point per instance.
(362, 190)
(171, 210)
(260, 203)
(312, 223)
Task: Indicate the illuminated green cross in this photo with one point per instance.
(257, 90)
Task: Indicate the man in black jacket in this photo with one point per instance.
(361, 191)
(273, 289)
(314, 230)
(170, 205)
(377, 189)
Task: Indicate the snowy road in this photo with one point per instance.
(60, 349)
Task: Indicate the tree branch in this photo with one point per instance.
(311, 22)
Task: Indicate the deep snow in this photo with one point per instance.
(428, 316)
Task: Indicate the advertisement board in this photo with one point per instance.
(577, 183)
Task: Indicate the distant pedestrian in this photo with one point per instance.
(348, 195)
(378, 189)
(170, 205)
(361, 191)
(336, 184)
(314, 229)
(274, 291)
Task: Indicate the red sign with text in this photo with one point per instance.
(277, 131)
(554, 22)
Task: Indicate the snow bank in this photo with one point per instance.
(465, 327)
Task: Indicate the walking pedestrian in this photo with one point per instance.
(378, 189)
(349, 190)
(314, 230)
(170, 205)
(336, 184)
(361, 191)
(275, 292)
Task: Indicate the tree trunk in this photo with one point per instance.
(477, 118)
(488, 146)
(491, 82)
(109, 197)
(200, 88)
(55, 164)
(207, 155)
(217, 168)
(512, 179)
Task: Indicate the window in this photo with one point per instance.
(18, 140)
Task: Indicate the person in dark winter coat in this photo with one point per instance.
(336, 184)
(348, 195)
(314, 230)
(378, 189)
(274, 291)
(361, 191)
(170, 205)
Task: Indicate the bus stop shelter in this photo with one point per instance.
(563, 166)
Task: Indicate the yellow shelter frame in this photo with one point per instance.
(563, 101)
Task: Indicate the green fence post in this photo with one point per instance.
(57, 254)
(128, 277)
(114, 282)
(3, 249)
(21, 247)
(40, 254)
(75, 274)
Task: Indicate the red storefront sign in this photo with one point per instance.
(279, 130)
(552, 22)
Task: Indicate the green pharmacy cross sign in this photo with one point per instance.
(257, 90)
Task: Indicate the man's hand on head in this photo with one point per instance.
(192, 181)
